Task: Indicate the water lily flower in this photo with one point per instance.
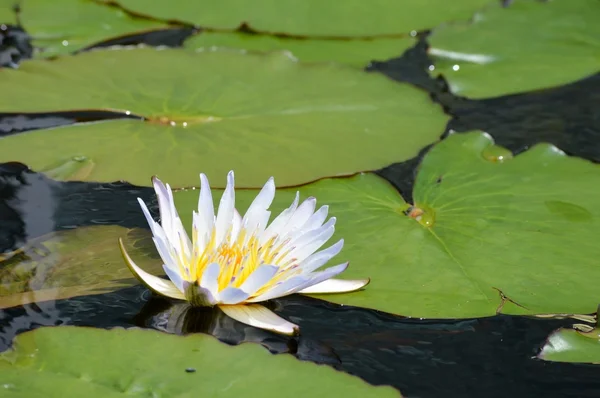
(235, 262)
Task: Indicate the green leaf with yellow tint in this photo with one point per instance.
(64, 26)
(489, 233)
(567, 345)
(140, 363)
(72, 263)
(355, 52)
(216, 111)
(527, 46)
(311, 17)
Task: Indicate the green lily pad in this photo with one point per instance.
(507, 236)
(312, 17)
(135, 362)
(527, 46)
(568, 345)
(353, 52)
(65, 26)
(216, 111)
(72, 263)
(7, 14)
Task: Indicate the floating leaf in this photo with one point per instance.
(353, 52)
(527, 46)
(311, 17)
(567, 345)
(73, 263)
(136, 362)
(64, 26)
(217, 111)
(484, 236)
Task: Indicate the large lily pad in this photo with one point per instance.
(64, 26)
(216, 111)
(312, 17)
(73, 263)
(353, 52)
(568, 345)
(113, 363)
(530, 45)
(509, 236)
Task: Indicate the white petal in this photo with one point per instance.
(210, 279)
(317, 219)
(170, 221)
(160, 240)
(163, 204)
(260, 204)
(305, 249)
(259, 278)
(281, 289)
(151, 223)
(206, 212)
(232, 295)
(154, 283)
(236, 225)
(260, 317)
(226, 207)
(299, 218)
(315, 234)
(205, 204)
(280, 221)
(174, 277)
(336, 286)
(318, 259)
(318, 277)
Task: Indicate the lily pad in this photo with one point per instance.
(311, 17)
(216, 111)
(527, 46)
(354, 52)
(49, 361)
(72, 263)
(568, 345)
(64, 26)
(488, 233)
(7, 13)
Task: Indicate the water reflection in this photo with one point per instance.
(181, 318)
(487, 357)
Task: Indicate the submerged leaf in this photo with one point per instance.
(73, 263)
(567, 345)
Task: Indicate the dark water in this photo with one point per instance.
(487, 357)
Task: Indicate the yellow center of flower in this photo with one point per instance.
(239, 258)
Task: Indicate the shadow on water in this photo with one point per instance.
(487, 357)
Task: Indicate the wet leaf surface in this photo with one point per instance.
(72, 263)
(527, 46)
(356, 52)
(65, 26)
(312, 17)
(564, 116)
(568, 345)
(48, 361)
(453, 259)
(267, 115)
